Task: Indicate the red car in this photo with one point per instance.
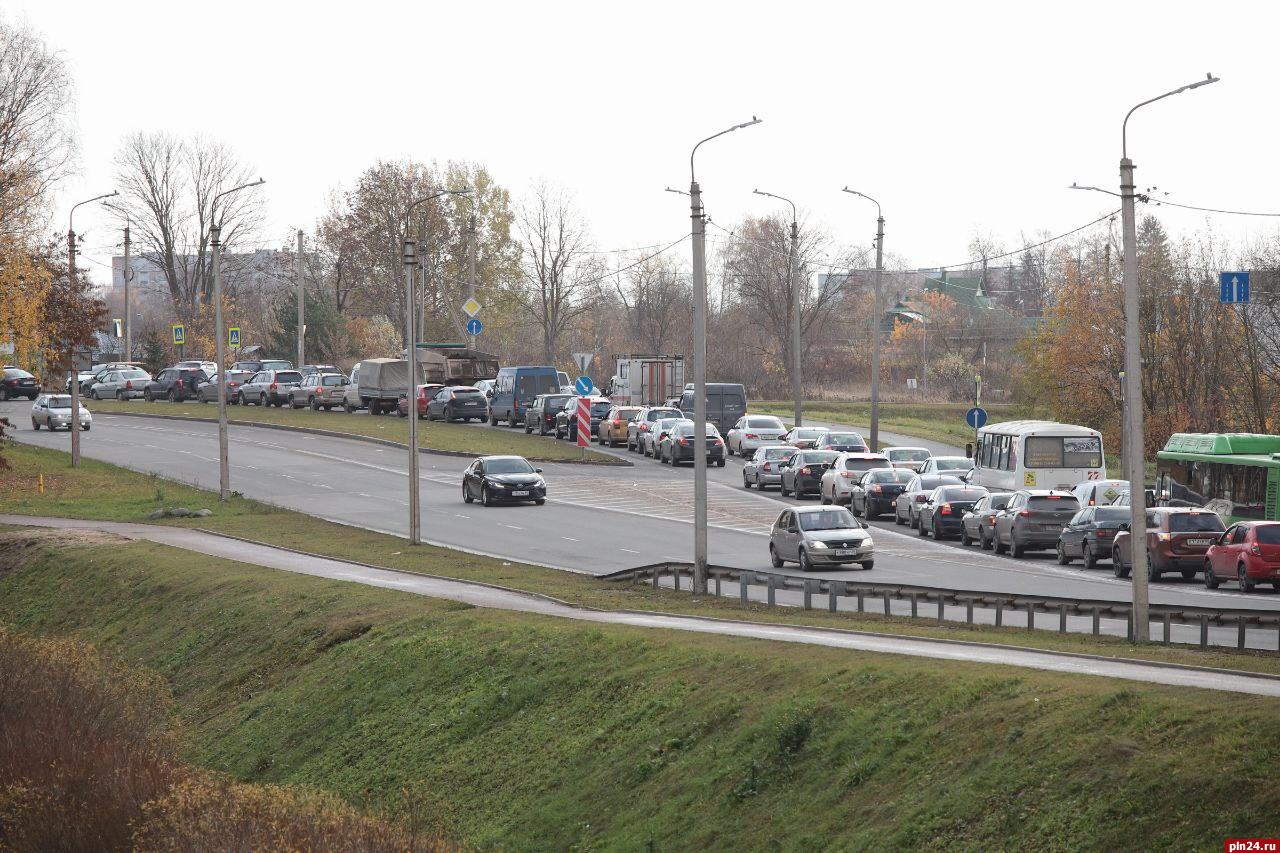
(425, 393)
(1177, 540)
(1248, 552)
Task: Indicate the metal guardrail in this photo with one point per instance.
(925, 596)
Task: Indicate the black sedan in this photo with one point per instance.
(874, 494)
(1090, 534)
(458, 402)
(18, 383)
(943, 512)
(678, 445)
(503, 479)
(802, 473)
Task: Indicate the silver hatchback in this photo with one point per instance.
(820, 536)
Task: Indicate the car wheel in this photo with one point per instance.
(4, 394)
(1246, 582)
(1016, 549)
(964, 535)
(35, 426)
(1153, 574)
(920, 531)
(240, 400)
(720, 463)
(914, 519)
(94, 395)
(1210, 579)
(774, 558)
(868, 565)
(484, 496)
(996, 545)
(822, 498)
(539, 501)
(172, 396)
(746, 484)
(1090, 559)
(1063, 559)
(897, 516)
(805, 564)
(1118, 568)
(85, 427)
(782, 488)
(528, 427)
(936, 530)
(493, 420)
(1188, 574)
(348, 408)
(466, 494)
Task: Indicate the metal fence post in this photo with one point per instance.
(742, 589)
(1204, 632)
(1062, 618)
(942, 613)
(913, 605)
(772, 581)
(1240, 622)
(860, 591)
(999, 612)
(654, 575)
(675, 575)
(834, 590)
(719, 575)
(968, 610)
(808, 594)
(886, 603)
(1097, 620)
(1167, 628)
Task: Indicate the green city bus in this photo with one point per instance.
(1236, 475)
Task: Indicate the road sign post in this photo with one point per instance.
(1234, 286)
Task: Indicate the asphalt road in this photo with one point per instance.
(597, 519)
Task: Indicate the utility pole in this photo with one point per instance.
(875, 324)
(471, 262)
(302, 296)
(220, 345)
(1135, 465)
(128, 274)
(700, 368)
(72, 347)
(410, 258)
(794, 290)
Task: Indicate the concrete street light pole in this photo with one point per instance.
(1135, 457)
(72, 346)
(796, 388)
(410, 259)
(700, 368)
(302, 317)
(220, 342)
(875, 325)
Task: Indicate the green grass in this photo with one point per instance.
(434, 435)
(521, 732)
(942, 422)
(97, 490)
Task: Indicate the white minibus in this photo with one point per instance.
(1037, 455)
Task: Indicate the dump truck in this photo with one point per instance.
(456, 363)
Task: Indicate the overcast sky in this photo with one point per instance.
(961, 119)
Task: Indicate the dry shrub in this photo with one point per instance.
(88, 761)
(84, 743)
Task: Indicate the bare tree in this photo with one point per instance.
(168, 187)
(657, 302)
(555, 272)
(36, 142)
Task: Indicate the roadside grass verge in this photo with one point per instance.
(942, 422)
(97, 490)
(433, 435)
(513, 731)
(89, 760)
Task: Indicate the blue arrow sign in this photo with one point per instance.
(583, 386)
(474, 326)
(1235, 286)
(976, 417)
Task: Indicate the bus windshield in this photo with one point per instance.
(1055, 451)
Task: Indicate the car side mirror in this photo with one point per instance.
(537, 470)
(1124, 525)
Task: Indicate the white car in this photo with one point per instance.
(907, 457)
(1099, 492)
(209, 367)
(845, 472)
(956, 466)
(753, 432)
(54, 411)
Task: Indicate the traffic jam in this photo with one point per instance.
(1024, 487)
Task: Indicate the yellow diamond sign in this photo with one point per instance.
(471, 307)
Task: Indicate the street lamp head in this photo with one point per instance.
(692, 176)
(754, 120)
(1208, 78)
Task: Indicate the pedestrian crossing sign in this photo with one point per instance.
(179, 334)
(233, 336)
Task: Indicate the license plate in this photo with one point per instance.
(1200, 542)
(847, 552)
(520, 494)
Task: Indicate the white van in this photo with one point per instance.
(1099, 492)
(1037, 455)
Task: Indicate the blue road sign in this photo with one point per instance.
(474, 326)
(976, 417)
(1235, 286)
(583, 386)
(179, 334)
(233, 337)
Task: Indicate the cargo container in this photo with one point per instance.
(646, 380)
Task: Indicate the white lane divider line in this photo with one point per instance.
(628, 550)
(513, 527)
(568, 539)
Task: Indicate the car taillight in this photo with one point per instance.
(1092, 502)
(946, 509)
(877, 489)
(1025, 513)
(128, 385)
(991, 519)
(848, 475)
(806, 470)
(921, 499)
(768, 466)
(273, 387)
(1103, 531)
(750, 435)
(683, 440)
(719, 441)
(644, 427)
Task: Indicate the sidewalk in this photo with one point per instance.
(500, 598)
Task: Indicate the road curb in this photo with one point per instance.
(386, 442)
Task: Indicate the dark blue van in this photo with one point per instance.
(514, 390)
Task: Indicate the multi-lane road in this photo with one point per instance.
(597, 519)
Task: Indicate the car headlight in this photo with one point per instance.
(819, 544)
(866, 542)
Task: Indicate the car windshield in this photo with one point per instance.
(1107, 513)
(556, 402)
(15, 373)
(1001, 501)
(827, 519)
(1196, 522)
(665, 423)
(601, 407)
(962, 495)
(659, 414)
(777, 452)
(1268, 534)
(818, 458)
(466, 392)
(330, 379)
(908, 455)
(805, 432)
(764, 423)
(275, 365)
(133, 374)
(686, 430)
(855, 464)
(953, 463)
(891, 476)
(1053, 503)
(844, 438)
(61, 401)
(508, 466)
(288, 376)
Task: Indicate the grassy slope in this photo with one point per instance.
(931, 421)
(97, 490)
(434, 434)
(531, 733)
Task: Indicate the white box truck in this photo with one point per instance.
(646, 380)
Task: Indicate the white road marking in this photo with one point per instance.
(628, 550)
(513, 527)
